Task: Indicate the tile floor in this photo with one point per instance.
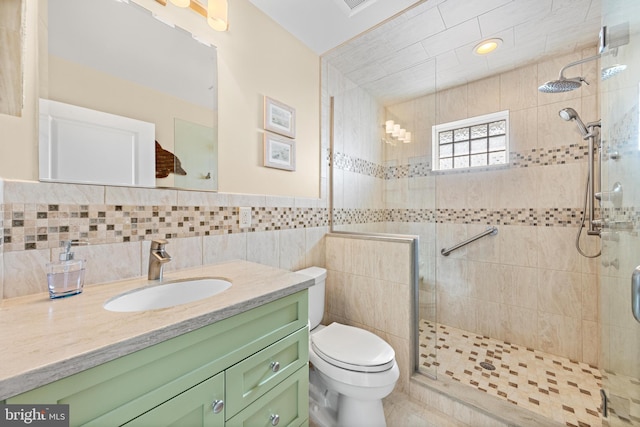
(555, 387)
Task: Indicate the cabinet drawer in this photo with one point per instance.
(192, 408)
(251, 378)
(288, 401)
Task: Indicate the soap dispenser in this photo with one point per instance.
(66, 276)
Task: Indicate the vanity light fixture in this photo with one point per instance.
(215, 11)
(394, 132)
(487, 46)
(181, 3)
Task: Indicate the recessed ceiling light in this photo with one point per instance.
(487, 46)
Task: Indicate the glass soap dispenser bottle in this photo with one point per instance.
(66, 277)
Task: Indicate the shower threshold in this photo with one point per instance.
(555, 387)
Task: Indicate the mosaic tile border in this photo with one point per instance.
(42, 226)
(564, 154)
(557, 217)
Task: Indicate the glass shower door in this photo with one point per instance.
(620, 93)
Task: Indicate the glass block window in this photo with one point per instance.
(475, 142)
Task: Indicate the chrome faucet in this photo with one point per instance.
(157, 259)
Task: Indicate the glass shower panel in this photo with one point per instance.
(410, 203)
(620, 331)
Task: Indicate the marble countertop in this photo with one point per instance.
(44, 340)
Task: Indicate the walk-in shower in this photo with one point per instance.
(556, 326)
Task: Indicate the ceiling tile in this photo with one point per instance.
(455, 12)
(514, 13)
(451, 38)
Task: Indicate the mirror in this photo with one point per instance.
(115, 58)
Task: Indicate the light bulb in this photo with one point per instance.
(388, 126)
(217, 14)
(181, 3)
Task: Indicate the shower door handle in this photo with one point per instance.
(635, 293)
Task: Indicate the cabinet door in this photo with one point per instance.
(193, 408)
(254, 376)
(287, 404)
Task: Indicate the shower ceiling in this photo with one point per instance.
(396, 60)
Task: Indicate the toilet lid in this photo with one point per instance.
(352, 348)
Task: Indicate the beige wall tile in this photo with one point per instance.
(106, 264)
(590, 297)
(518, 88)
(185, 253)
(452, 104)
(591, 343)
(556, 248)
(335, 293)
(25, 272)
(520, 325)
(523, 130)
(315, 251)
(560, 335)
(263, 247)
(483, 96)
(518, 245)
(560, 292)
(292, 247)
(519, 286)
(224, 247)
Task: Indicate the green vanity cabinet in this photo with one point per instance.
(193, 407)
(254, 362)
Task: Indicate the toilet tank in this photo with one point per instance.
(316, 294)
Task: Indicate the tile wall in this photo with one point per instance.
(120, 222)
(369, 285)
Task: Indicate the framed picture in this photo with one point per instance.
(279, 152)
(279, 118)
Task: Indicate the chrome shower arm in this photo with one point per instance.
(578, 62)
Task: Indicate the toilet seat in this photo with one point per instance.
(352, 348)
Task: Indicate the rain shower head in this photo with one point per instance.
(564, 84)
(608, 72)
(569, 114)
(561, 85)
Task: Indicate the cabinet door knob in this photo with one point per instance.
(217, 406)
(275, 367)
(275, 419)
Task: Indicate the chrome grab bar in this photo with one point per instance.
(489, 231)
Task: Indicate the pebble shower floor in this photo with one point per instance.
(560, 389)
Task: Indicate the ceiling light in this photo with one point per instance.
(487, 46)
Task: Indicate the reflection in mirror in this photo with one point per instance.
(114, 57)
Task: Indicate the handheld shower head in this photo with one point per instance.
(568, 114)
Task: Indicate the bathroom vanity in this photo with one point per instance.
(242, 362)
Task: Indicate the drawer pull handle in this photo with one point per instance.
(275, 367)
(218, 406)
(275, 419)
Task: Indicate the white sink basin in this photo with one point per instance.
(167, 295)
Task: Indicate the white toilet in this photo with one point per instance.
(351, 370)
